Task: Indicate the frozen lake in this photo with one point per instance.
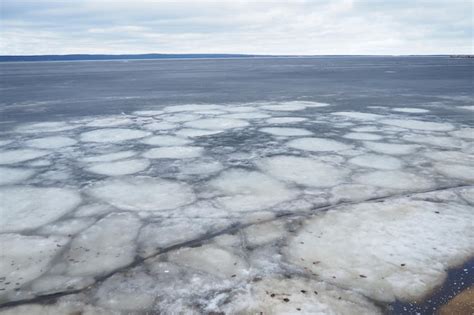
(282, 186)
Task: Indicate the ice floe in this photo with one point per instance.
(148, 112)
(318, 145)
(10, 175)
(104, 246)
(412, 110)
(201, 167)
(113, 135)
(109, 156)
(160, 126)
(45, 127)
(285, 120)
(110, 122)
(440, 141)
(143, 193)
(469, 107)
(398, 249)
(169, 232)
(464, 172)
(284, 107)
(362, 136)
(391, 148)
(118, 168)
(467, 133)
(127, 294)
(66, 227)
(241, 109)
(260, 234)
(211, 259)
(382, 162)
(451, 157)
(251, 115)
(25, 207)
(193, 107)
(352, 193)
(191, 133)
(303, 171)
(25, 258)
(51, 142)
(20, 155)
(217, 123)
(247, 190)
(176, 118)
(359, 115)
(395, 180)
(5, 142)
(418, 124)
(164, 140)
(177, 152)
(277, 131)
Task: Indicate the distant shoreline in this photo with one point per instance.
(103, 57)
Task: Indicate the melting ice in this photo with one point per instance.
(274, 207)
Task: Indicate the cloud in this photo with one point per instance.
(236, 26)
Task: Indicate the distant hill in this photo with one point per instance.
(119, 57)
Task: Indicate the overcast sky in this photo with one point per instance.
(237, 26)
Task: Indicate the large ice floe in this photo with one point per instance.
(51, 142)
(143, 193)
(291, 207)
(113, 135)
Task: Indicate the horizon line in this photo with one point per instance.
(193, 56)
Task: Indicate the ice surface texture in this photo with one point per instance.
(275, 207)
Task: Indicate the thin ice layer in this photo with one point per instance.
(10, 175)
(164, 140)
(247, 191)
(277, 131)
(192, 108)
(20, 155)
(395, 180)
(318, 145)
(358, 115)
(217, 123)
(381, 162)
(51, 142)
(109, 156)
(107, 245)
(25, 258)
(464, 172)
(49, 126)
(285, 120)
(25, 207)
(303, 171)
(362, 136)
(191, 133)
(418, 124)
(177, 152)
(113, 135)
(391, 148)
(397, 249)
(119, 168)
(143, 193)
(412, 110)
(210, 259)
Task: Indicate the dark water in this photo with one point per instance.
(39, 91)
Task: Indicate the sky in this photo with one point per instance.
(279, 27)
